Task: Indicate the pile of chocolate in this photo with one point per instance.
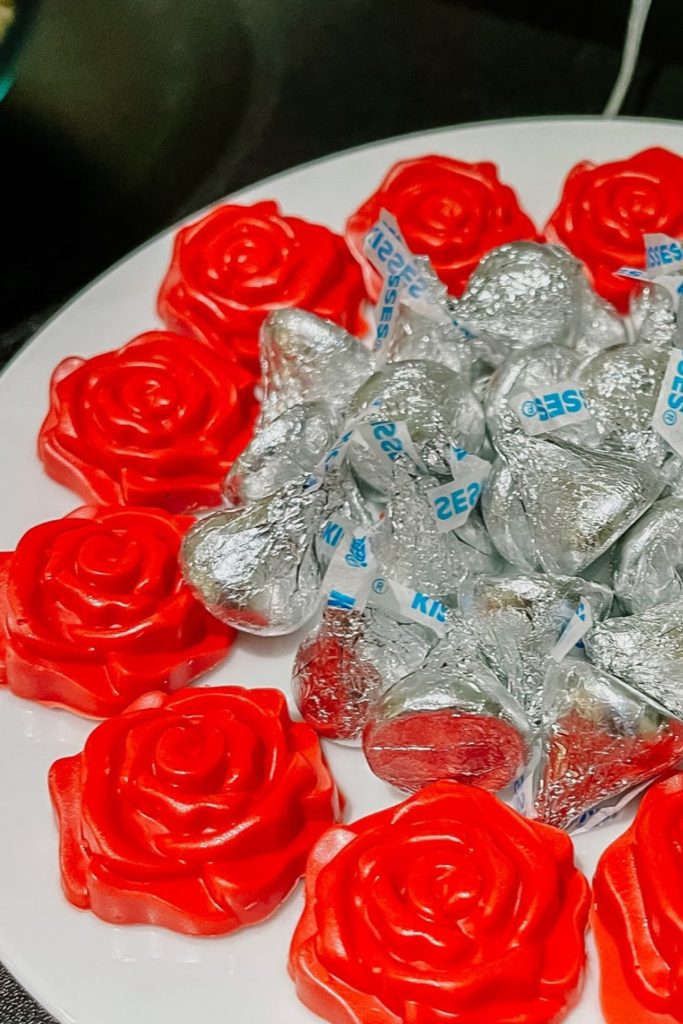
(481, 517)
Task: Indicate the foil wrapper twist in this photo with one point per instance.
(306, 359)
(649, 559)
(517, 620)
(600, 740)
(256, 568)
(577, 502)
(644, 650)
(437, 406)
(450, 719)
(284, 449)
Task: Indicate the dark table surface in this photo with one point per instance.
(124, 117)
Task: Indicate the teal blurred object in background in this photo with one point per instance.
(16, 17)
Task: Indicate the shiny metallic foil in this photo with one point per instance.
(451, 719)
(306, 359)
(645, 650)
(600, 326)
(649, 559)
(621, 386)
(533, 371)
(347, 661)
(600, 739)
(577, 501)
(518, 619)
(521, 295)
(418, 337)
(256, 567)
(412, 551)
(506, 520)
(282, 450)
(653, 316)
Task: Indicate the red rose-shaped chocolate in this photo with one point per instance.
(195, 812)
(157, 422)
(448, 909)
(237, 263)
(605, 209)
(451, 211)
(94, 611)
(639, 913)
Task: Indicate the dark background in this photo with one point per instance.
(126, 114)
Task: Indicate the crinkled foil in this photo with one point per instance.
(505, 519)
(621, 386)
(645, 650)
(577, 501)
(518, 619)
(437, 406)
(653, 316)
(649, 559)
(521, 295)
(306, 359)
(600, 326)
(416, 336)
(347, 661)
(451, 719)
(255, 567)
(282, 450)
(412, 551)
(600, 739)
(532, 371)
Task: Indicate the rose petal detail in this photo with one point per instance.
(94, 612)
(638, 915)
(449, 210)
(158, 422)
(450, 907)
(605, 209)
(237, 263)
(240, 844)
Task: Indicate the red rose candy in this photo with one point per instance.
(194, 812)
(448, 909)
(157, 422)
(451, 211)
(237, 263)
(638, 918)
(605, 209)
(94, 612)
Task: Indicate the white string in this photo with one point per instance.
(634, 35)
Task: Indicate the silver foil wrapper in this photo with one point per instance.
(521, 295)
(600, 739)
(600, 326)
(649, 559)
(347, 661)
(437, 406)
(287, 447)
(417, 336)
(506, 520)
(645, 650)
(621, 386)
(451, 719)
(256, 567)
(518, 619)
(306, 359)
(412, 551)
(653, 316)
(533, 371)
(577, 501)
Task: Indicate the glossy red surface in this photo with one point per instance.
(194, 812)
(448, 909)
(639, 913)
(605, 209)
(237, 263)
(156, 422)
(452, 211)
(94, 612)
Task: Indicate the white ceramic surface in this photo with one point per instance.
(87, 972)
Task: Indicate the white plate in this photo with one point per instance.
(87, 972)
